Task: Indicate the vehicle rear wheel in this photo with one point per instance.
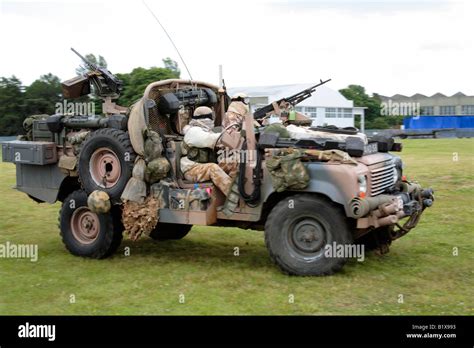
(88, 234)
(106, 161)
(298, 231)
(165, 231)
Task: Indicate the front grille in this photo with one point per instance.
(382, 176)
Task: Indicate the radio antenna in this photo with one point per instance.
(169, 37)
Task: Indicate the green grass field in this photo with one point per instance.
(202, 267)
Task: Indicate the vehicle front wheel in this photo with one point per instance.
(299, 232)
(88, 234)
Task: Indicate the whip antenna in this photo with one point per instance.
(169, 37)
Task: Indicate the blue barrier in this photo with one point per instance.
(437, 122)
(424, 133)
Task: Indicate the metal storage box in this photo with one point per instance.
(29, 152)
(76, 87)
(41, 131)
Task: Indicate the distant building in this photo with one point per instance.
(438, 104)
(326, 106)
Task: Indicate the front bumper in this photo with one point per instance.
(390, 209)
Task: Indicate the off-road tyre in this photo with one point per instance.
(166, 231)
(297, 231)
(106, 160)
(101, 240)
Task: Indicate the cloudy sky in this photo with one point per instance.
(387, 46)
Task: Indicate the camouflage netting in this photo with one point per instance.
(140, 218)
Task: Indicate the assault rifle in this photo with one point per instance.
(293, 100)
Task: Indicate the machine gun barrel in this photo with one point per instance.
(293, 100)
(90, 65)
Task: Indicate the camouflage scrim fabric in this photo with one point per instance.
(288, 172)
(140, 218)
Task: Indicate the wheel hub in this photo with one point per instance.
(308, 236)
(85, 225)
(105, 168)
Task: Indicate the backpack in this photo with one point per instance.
(288, 172)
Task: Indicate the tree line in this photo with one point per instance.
(373, 103)
(18, 101)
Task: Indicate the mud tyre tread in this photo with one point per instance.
(110, 234)
(319, 209)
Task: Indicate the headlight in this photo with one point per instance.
(362, 180)
(398, 170)
(396, 175)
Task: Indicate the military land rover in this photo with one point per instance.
(307, 187)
